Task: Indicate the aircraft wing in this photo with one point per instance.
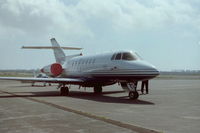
(48, 80)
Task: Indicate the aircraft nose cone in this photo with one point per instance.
(148, 68)
(155, 71)
(152, 69)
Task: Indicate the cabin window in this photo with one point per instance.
(118, 56)
(89, 61)
(93, 61)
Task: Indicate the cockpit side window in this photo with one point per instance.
(128, 56)
(118, 56)
(113, 57)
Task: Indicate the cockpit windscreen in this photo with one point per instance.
(125, 56)
(128, 56)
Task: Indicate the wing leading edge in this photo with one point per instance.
(48, 80)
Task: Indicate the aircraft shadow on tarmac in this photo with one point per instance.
(82, 95)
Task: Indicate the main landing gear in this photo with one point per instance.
(64, 91)
(97, 90)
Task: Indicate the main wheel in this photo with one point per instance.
(133, 95)
(64, 91)
(97, 89)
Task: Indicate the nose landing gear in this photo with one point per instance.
(131, 88)
(133, 95)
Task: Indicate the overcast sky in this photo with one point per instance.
(164, 32)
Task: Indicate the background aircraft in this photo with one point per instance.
(123, 67)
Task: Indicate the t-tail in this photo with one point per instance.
(58, 51)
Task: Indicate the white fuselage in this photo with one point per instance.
(103, 67)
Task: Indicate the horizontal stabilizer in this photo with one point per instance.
(50, 47)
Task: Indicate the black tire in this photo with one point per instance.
(97, 89)
(64, 91)
(133, 95)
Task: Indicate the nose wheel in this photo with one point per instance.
(133, 95)
(64, 91)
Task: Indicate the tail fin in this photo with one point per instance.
(58, 52)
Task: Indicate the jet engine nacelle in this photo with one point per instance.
(52, 70)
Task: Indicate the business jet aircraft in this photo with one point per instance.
(123, 67)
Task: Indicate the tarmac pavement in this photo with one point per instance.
(172, 107)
